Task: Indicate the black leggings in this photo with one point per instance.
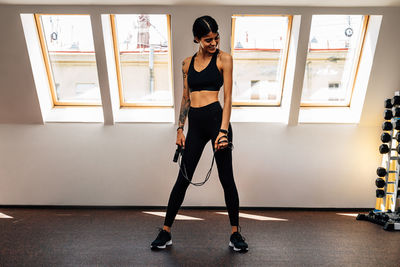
(204, 125)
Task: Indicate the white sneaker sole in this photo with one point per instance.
(235, 248)
(166, 244)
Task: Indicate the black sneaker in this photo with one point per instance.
(237, 242)
(163, 239)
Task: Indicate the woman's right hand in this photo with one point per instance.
(180, 138)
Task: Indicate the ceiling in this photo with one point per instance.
(333, 3)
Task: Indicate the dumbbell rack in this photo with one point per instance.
(387, 194)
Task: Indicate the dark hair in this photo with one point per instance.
(203, 25)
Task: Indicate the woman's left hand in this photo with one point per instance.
(223, 144)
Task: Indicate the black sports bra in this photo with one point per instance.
(209, 79)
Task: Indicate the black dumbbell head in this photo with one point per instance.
(381, 172)
(396, 124)
(380, 193)
(388, 114)
(398, 148)
(396, 112)
(396, 100)
(387, 126)
(383, 149)
(385, 217)
(388, 103)
(379, 182)
(385, 137)
(397, 137)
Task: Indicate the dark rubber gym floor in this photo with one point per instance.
(122, 237)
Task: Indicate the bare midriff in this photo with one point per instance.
(203, 98)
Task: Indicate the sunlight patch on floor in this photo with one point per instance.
(348, 214)
(255, 217)
(5, 216)
(178, 216)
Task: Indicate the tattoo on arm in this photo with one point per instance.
(185, 105)
(183, 72)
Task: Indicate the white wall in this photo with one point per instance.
(275, 165)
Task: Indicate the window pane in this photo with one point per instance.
(71, 56)
(332, 59)
(259, 58)
(143, 47)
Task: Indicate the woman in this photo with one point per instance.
(203, 75)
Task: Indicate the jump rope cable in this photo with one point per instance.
(184, 172)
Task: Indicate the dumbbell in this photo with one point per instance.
(396, 124)
(388, 114)
(382, 217)
(386, 137)
(383, 149)
(380, 193)
(387, 126)
(388, 103)
(381, 172)
(379, 182)
(385, 217)
(396, 100)
(396, 112)
(397, 137)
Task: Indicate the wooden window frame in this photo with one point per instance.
(353, 81)
(285, 57)
(122, 102)
(46, 59)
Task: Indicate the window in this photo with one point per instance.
(143, 59)
(334, 50)
(68, 51)
(259, 49)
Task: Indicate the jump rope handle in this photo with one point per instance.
(177, 152)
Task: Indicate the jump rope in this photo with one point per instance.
(182, 168)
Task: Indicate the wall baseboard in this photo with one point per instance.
(183, 207)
